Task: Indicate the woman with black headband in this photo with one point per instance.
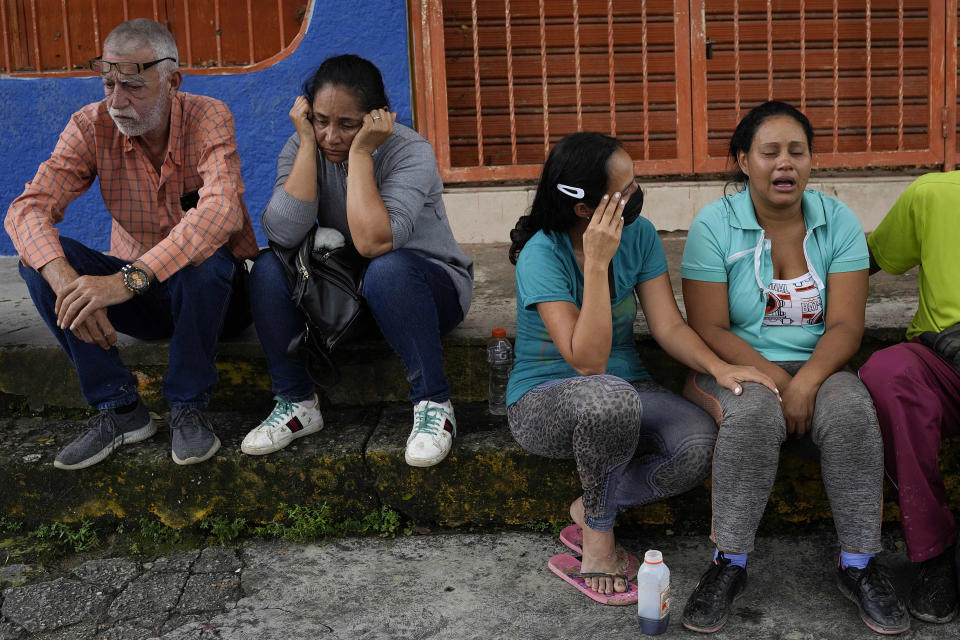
(578, 389)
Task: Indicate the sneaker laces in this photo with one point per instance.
(429, 420)
(186, 415)
(716, 581)
(875, 584)
(277, 417)
(106, 423)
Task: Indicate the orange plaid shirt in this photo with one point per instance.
(148, 222)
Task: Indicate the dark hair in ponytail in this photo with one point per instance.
(742, 138)
(578, 160)
(354, 73)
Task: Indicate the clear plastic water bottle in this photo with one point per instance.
(653, 594)
(500, 363)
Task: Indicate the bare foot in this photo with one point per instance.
(600, 554)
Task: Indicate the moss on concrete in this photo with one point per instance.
(486, 479)
(489, 479)
(355, 467)
(141, 479)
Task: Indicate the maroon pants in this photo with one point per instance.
(917, 395)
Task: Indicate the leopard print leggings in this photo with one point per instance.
(633, 443)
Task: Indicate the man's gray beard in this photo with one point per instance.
(151, 121)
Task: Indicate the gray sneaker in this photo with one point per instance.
(192, 437)
(105, 432)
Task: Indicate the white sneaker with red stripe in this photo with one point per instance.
(287, 422)
(433, 430)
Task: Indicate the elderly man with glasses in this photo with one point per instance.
(170, 177)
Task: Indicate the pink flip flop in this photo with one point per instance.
(572, 538)
(568, 568)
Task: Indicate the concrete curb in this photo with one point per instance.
(355, 466)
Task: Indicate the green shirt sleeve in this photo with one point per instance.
(895, 243)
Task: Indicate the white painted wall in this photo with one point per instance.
(486, 214)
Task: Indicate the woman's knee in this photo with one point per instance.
(686, 468)
(606, 406)
(606, 398)
(754, 416)
(388, 282)
(268, 278)
(390, 270)
(844, 414)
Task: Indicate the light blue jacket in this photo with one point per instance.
(726, 244)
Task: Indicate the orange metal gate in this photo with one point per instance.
(868, 74)
(58, 37)
(498, 81)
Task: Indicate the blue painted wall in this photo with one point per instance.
(35, 110)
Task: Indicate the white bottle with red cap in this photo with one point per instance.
(653, 594)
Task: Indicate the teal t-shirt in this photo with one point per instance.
(726, 244)
(547, 271)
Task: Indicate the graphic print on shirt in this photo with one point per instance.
(791, 303)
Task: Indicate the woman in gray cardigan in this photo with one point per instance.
(352, 168)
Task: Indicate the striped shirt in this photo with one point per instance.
(148, 222)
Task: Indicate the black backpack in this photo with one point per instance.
(946, 343)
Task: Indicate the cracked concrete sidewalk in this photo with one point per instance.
(451, 586)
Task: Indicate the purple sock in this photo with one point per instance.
(855, 560)
(739, 559)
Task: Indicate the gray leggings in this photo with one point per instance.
(752, 430)
(622, 460)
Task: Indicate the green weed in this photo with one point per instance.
(156, 532)
(225, 531)
(81, 538)
(147, 533)
(10, 526)
(306, 523)
(385, 522)
(302, 523)
(543, 527)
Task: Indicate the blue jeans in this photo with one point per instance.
(188, 308)
(633, 443)
(412, 299)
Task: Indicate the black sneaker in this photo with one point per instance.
(880, 607)
(192, 439)
(709, 604)
(933, 597)
(105, 432)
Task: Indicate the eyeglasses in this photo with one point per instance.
(123, 68)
